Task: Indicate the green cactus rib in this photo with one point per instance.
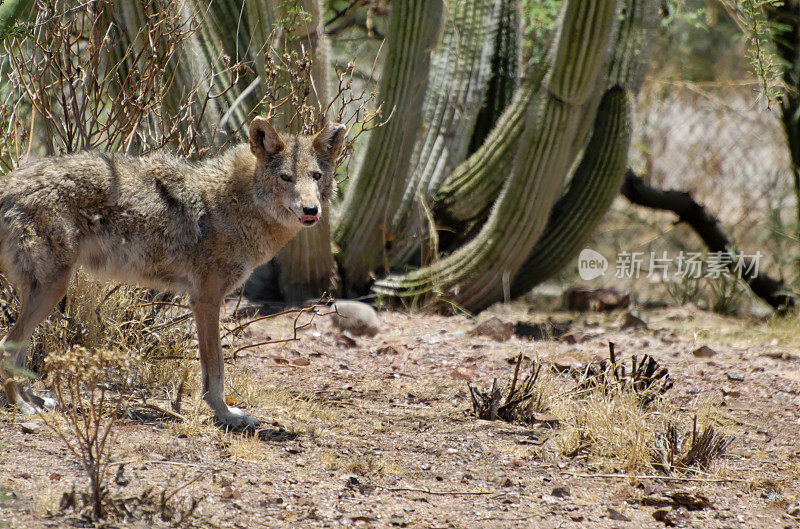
(505, 74)
(598, 177)
(576, 62)
(639, 19)
(460, 71)
(469, 192)
(593, 187)
(414, 27)
(475, 275)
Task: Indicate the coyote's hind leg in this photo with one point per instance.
(38, 300)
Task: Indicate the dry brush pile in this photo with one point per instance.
(615, 417)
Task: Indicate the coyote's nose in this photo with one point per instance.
(310, 211)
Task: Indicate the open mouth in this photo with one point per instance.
(309, 220)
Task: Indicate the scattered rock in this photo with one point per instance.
(777, 355)
(793, 510)
(602, 299)
(573, 337)
(463, 373)
(560, 492)
(387, 349)
(618, 516)
(566, 363)
(356, 317)
(544, 418)
(345, 340)
(738, 377)
(731, 393)
(657, 500)
(302, 361)
(704, 352)
(633, 320)
(692, 500)
(539, 331)
(29, 427)
(229, 493)
(495, 328)
(513, 359)
(675, 518)
(120, 478)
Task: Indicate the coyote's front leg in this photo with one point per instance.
(206, 314)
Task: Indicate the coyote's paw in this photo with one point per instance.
(237, 419)
(26, 401)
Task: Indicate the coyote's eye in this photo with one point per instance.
(316, 175)
(286, 177)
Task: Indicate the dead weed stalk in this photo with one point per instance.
(91, 390)
(675, 450)
(519, 403)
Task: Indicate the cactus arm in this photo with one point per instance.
(593, 187)
(599, 176)
(414, 27)
(477, 274)
(469, 192)
(460, 72)
(505, 74)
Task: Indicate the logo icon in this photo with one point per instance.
(591, 264)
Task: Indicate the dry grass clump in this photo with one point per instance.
(607, 427)
(612, 417)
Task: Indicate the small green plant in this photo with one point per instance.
(753, 20)
(726, 294)
(684, 290)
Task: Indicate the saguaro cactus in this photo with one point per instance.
(595, 184)
(477, 274)
(373, 196)
(598, 178)
(460, 70)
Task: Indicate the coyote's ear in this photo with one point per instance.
(264, 140)
(328, 142)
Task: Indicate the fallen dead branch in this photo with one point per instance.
(708, 227)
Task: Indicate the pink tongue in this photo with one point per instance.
(307, 218)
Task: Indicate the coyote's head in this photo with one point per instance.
(294, 173)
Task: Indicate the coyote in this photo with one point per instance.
(160, 222)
